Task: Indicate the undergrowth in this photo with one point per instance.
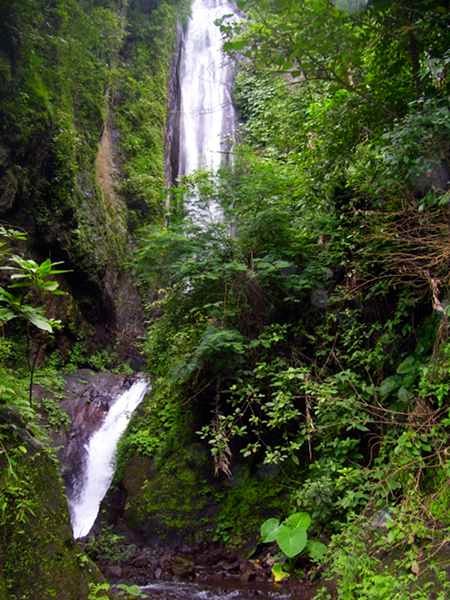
(315, 338)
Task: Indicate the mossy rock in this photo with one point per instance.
(174, 501)
(38, 556)
(247, 499)
(178, 500)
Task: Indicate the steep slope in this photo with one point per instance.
(81, 165)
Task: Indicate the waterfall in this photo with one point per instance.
(207, 116)
(99, 467)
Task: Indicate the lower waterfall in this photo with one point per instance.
(99, 467)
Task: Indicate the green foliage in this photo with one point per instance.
(16, 494)
(29, 282)
(55, 105)
(30, 279)
(130, 591)
(102, 360)
(315, 338)
(99, 591)
(57, 418)
(409, 156)
(34, 517)
(292, 536)
(108, 546)
(240, 508)
(141, 114)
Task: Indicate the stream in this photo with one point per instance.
(192, 591)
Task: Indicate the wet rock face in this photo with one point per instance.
(8, 191)
(88, 397)
(173, 121)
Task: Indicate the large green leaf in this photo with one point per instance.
(298, 519)
(269, 530)
(38, 320)
(291, 541)
(6, 315)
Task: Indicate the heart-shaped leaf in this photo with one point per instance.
(298, 519)
(269, 530)
(291, 541)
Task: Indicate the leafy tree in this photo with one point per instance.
(29, 282)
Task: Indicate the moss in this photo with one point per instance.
(75, 77)
(38, 555)
(246, 502)
(168, 502)
(54, 107)
(172, 493)
(177, 498)
(142, 83)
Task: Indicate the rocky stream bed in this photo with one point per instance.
(207, 572)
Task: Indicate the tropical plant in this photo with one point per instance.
(291, 535)
(29, 281)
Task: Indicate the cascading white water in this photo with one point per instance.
(207, 119)
(101, 450)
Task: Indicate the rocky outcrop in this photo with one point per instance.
(38, 557)
(173, 121)
(58, 167)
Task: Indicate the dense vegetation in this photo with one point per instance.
(315, 338)
(299, 352)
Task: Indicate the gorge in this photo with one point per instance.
(224, 299)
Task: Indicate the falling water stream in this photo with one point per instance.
(207, 114)
(100, 453)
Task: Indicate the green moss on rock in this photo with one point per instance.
(245, 502)
(38, 556)
(142, 81)
(172, 501)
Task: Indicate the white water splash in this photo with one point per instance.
(100, 463)
(207, 121)
(175, 590)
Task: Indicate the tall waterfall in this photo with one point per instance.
(100, 453)
(207, 119)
